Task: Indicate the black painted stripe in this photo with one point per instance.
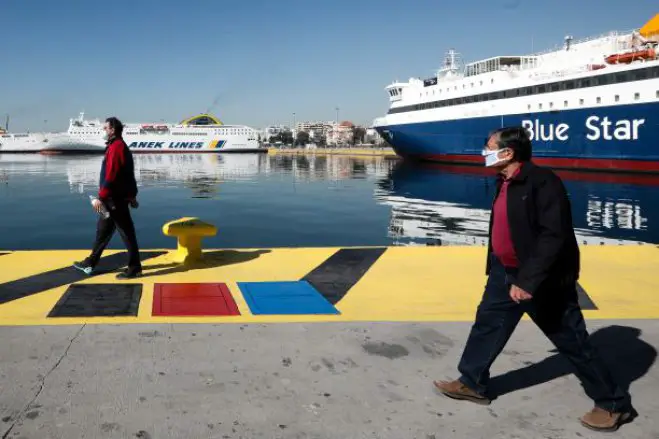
(584, 299)
(28, 286)
(99, 300)
(334, 277)
(2, 254)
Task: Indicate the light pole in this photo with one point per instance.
(294, 130)
(336, 129)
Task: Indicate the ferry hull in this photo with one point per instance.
(200, 151)
(620, 138)
(141, 145)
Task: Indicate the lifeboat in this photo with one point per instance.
(595, 66)
(627, 57)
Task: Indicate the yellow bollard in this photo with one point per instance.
(188, 232)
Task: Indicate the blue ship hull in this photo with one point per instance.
(621, 137)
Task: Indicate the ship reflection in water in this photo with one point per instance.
(434, 204)
(200, 173)
(260, 200)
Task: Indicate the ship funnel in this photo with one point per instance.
(651, 29)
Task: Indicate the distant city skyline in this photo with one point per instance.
(258, 62)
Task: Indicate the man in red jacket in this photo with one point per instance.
(118, 192)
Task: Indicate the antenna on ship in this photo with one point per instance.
(7, 123)
(451, 62)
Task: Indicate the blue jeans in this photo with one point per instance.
(557, 313)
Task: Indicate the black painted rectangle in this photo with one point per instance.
(99, 300)
(40, 282)
(584, 299)
(341, 271)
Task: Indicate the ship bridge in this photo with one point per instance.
(395, 90)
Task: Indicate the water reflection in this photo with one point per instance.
(443, 205)
(199, 172)
(261, 200)
(323, 167)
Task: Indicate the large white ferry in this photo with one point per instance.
(593, 104)
(201, 133)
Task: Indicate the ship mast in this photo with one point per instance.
(452, 64)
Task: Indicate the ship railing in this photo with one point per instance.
(558, 73)
(585, 40)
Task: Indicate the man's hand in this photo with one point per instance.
(97, 205)
(133, 203)
(518, 294)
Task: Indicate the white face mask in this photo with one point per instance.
(105, 135)
(492, 158)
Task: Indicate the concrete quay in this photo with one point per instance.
(301, 343)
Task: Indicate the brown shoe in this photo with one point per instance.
(457, 390)
(599, 419)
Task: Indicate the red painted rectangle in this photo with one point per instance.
(193, 299)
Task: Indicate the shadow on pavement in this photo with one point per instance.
(628, 357)
(212, 259)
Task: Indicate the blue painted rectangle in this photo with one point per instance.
(294, 297)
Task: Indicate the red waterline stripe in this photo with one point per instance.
(567, 163)
(164, 151)
(568, 174)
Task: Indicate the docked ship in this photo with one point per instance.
(45, 142)
(200, 133)
(590, 104)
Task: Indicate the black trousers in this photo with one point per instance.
(557, 313)
(120, 219)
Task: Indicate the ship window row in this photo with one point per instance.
(570, 84)
(598, 100)
(464, 86)
(189, 134)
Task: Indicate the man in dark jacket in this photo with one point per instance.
(118, 191)
(532, 266)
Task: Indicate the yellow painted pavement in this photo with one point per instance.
(404, 284)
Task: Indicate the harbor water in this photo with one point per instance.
(261, 200)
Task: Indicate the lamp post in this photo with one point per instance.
(336, 128)
(294, 130)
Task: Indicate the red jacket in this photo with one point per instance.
(117, 180)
